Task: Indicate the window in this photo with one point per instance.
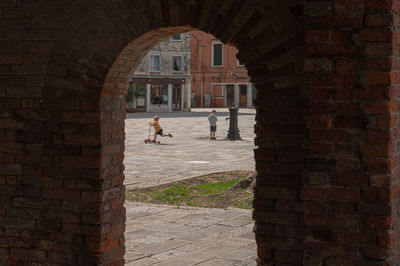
(177, 37)
(177, 63)
(155, 63)
(217, 55)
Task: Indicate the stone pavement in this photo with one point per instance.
(173, 236)
(190, 152)
(170, 235)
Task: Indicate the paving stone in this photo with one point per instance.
(180, 242)
(133, 256)
(185, 229)
(194, 246)
(170, 254)
(229, 214)
(206, 232)
(161, 246)
(143, 262)
(177, 262)
(240, 231)
(238, 221)
(221, 262)
(213, 250)
(240, 255)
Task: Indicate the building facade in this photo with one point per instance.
(162, 80)
(218, 78)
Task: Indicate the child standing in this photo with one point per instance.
(212, 118)
(158, 128)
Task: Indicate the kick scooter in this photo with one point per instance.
(148, 140)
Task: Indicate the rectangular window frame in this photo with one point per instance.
(177, 40)
(212, 53)
(160, 63)
(172, 64)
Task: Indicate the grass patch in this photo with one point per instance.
(204, 191)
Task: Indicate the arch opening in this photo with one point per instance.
(195, 156)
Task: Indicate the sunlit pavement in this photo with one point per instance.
(189, 152)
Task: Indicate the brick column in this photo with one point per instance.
(350, 190)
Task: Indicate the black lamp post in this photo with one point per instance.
(233, 132)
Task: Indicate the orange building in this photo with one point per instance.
(218, 78)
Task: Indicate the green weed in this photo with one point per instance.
(214, 188)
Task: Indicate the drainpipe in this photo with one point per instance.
(202, 89)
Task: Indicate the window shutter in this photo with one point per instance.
(151, 62)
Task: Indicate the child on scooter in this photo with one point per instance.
(158, 128)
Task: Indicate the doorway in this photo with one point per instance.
(176, 97)
(230, 95)
(243, 96)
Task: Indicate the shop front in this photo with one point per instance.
(164, 94)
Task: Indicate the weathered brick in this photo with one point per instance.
(318, 65)
(378, 165)
(380, 5)
(13, 12)
(329, 221)
(10, 58)
(374, 252)
(81, 117)
(376, 150)
(40, 35)
(11, 147)
(379, 19)
(319, 122)
(350, 179)
(24, 92)
(319, 36)
(350, 122)
(35, 255)
(374, 208)
(381, 78)
(317, 193)
(317, 207)
(379, 222)
(90, 230)
(346, 65)
(377, 35)
(10, 169)
(349, 6)
(346, 194)
(383, 107)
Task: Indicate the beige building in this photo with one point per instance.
(163, 78)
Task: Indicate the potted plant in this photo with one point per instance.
(134, 91)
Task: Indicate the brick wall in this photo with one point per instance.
(327, 119)
(350, 186)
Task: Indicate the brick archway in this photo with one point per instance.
(326, 79)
